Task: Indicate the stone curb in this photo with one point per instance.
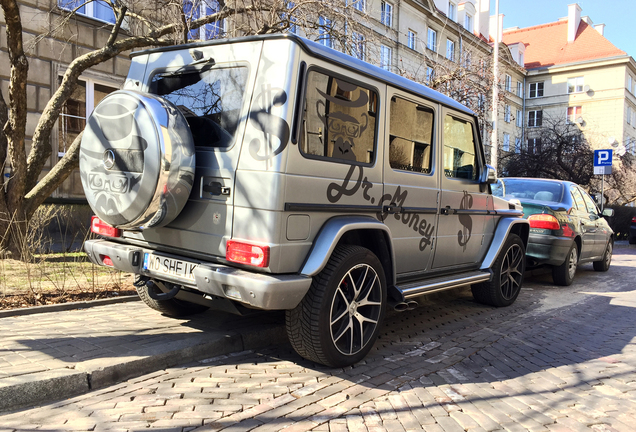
(30, 390)
(67, 306)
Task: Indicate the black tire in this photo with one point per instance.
(604, 264)
(505, 284)
(331, 326)
(173, 307)
(564, 274)
(632, 240)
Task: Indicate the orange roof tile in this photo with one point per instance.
(547, 44)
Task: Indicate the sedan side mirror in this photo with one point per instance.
(608, 212)
(489, 175)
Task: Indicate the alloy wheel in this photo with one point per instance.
(512, 271)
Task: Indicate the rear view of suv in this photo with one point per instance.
(272, 173)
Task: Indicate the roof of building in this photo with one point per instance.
(547, 44)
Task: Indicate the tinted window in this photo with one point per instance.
(410, 136)
(589, 203)
(578, 200)
(460, 156)
(210, 99)
(532, 189)
(339, 119)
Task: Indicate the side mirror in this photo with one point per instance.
(608, 212)
(489, 175)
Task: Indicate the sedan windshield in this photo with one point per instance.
(523, 189)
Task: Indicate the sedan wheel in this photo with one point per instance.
(564, 274)
(604, 264)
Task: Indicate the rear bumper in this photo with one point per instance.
(258, 290)
(546, 249)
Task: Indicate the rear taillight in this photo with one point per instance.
(100, 227)
(544, 221)
(634, 219)
(246, 253)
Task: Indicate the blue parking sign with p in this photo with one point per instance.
(603, 158)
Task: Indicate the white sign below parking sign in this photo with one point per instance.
(603, 169)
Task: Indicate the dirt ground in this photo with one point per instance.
(58, 278)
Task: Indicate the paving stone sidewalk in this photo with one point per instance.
(51, 356)
(560, 359)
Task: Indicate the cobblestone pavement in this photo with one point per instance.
(559, 359)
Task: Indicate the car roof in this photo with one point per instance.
(349, 62)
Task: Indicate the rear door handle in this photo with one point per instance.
(216, 188)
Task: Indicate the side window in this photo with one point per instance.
(410, 136)
(339, 120)
(578, 200)
(460, 156)
(589, 203)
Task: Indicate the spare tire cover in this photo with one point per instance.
(137, 160)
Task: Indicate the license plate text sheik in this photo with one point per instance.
(171, 267)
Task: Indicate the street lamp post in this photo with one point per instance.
(495, 94)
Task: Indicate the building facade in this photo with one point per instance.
(576, 75)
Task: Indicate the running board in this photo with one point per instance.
(427, 286)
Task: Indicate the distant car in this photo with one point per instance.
(566, 227)
(632, 231)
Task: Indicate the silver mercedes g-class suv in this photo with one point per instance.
(272, 172)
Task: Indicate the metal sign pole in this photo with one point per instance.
(602, 192)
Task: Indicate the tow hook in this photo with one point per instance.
(160, 291)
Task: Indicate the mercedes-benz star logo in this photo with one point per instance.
(109, 159)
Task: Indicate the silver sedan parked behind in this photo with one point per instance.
(566, 227)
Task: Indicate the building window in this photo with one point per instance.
(535, 118)
(293, 28)
(521, 59)
(481, 102)
(534, 145)
(431, 40)
(387, 14)
(359, 46)
(629, 83)
(325, 32)
(506, 142)
(412, 38)
(468, 58)
(629, 115)
(468, 23)
(450, 50)
(430, 74)
(507, 114)
(574, 113)
(508, 83)
(536, 90)
(194, 10)
(77, 108)
(96, 9)
(452, 11)
(519, 89)
(360, 5)
(519, 119)
(517, 145)
(385, 57)
(575, 85)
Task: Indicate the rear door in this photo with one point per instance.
(464, 202)
(214, 97)
(411, 183)
(586, 227)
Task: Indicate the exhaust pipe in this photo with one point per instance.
(406, 306)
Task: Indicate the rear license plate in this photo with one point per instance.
(160, 265)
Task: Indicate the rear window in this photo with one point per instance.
(210, 99)
(529, 189)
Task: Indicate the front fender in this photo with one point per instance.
(332, 231)
(505, 226)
